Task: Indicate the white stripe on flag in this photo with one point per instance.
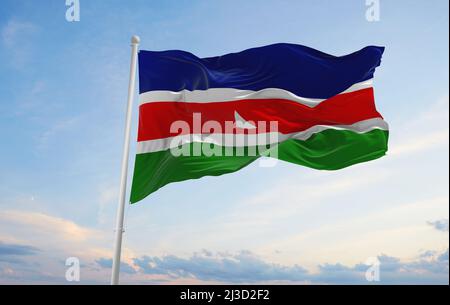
(242, 140)
(215, 95)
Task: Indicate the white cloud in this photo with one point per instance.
(54, 240)
(43, 140)
(14, 31)
(420, 143)
(107, 196)
(427, 131)
(246, 267)
(50, 226)
(440, 225)
(17, 37)
(353, 239)
(59, 237)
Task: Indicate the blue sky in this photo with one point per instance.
(63, 90)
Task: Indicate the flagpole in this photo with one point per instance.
(123, 178)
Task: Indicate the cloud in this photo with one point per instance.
(63, 125)
(433, 270)
(428, 131)
(11, 253)
(49, 225)
(14, 31)
(13, 249)
(107, 264)
(421, 143)
(246, 267)
(17, 37)
(107, 196)
(34, 247)
(238, 268)
(440, 225)
(294, 196)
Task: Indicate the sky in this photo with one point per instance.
(63, 89)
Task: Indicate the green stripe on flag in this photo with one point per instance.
(327, 150)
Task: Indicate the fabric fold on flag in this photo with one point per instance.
(323, 107)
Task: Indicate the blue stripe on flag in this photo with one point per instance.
(301, 70)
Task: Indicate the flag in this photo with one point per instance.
(211, 116)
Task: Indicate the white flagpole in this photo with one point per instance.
(126, 151)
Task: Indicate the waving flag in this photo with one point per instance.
(210, 116)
